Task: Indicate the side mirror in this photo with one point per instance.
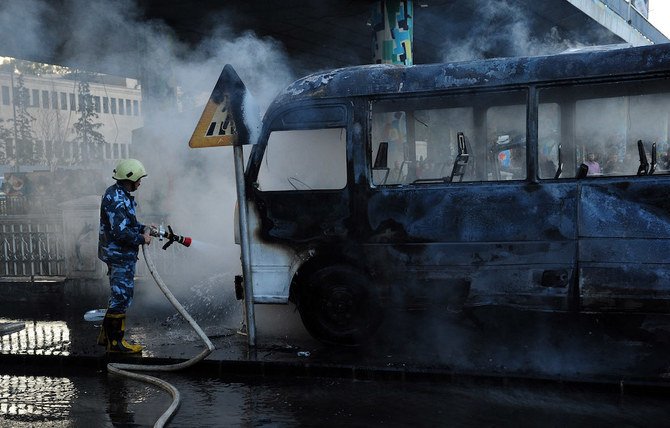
(381, 160)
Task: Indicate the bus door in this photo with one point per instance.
(614, 140)
(455, 221)
(300, 193)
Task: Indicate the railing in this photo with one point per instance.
(22, 205)
(13, 205)
(38, 338)
(31, 246)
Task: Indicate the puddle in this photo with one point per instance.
(37, 338)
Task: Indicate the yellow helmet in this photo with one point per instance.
(129, 169)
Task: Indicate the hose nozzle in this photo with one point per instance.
(171, 237)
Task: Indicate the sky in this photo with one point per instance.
(659, 15)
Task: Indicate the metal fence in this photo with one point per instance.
(34, 246)
(13, 205)
(31, 246)
(38, 338)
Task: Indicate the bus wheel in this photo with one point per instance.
(339, 306)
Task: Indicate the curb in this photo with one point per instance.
(72, 365)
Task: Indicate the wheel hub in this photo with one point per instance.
(339, 306)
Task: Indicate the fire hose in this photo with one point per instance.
(125, 369)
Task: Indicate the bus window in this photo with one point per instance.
(304, 160)
(423, 138)
(598, 127)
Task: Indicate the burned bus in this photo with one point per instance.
(540, 183)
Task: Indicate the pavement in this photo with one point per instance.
(503, 345)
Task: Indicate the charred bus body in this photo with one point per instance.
(540, 183)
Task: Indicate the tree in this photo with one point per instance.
(88, 141)
(51, 129)
(27, 152)
(5, 141)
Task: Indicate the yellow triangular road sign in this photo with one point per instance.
(216, 126)
(225, 122)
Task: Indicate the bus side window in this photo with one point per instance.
(599, 125)
(423, 138)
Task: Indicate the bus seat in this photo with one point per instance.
(458, 170)
(461, 160)
(582, 171)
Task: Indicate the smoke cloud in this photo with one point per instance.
(194, 190)
(502, 28)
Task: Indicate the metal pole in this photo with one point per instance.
(238, 154)
(15, 151)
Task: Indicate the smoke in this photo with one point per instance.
(24, 30)
(193, 190)
(501, 28)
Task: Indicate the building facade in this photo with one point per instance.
(54, 102)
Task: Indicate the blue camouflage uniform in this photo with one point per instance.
(119, 240)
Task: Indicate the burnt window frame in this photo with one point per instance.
(275, 122)
(575, 90)
(433, 100)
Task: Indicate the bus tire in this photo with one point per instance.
(338, 305)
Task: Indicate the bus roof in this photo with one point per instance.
(381, 79)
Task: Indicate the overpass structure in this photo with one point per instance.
(320, 34)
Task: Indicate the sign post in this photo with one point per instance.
(246, 248)
(225, 122)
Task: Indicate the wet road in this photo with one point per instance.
(101, 400)
(486, 342)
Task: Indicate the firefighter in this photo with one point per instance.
(120, 237)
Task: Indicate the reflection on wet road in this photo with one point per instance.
(37, 338)
(105, 401)
(35, 398)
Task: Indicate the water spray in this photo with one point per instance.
(160, 233)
